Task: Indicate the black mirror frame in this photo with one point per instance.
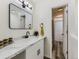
(19, 28)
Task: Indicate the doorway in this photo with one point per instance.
(58, 27)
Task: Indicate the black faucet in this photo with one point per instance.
(27, 34)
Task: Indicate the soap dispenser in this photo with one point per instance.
(42, 29)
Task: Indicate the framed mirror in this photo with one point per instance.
(19, 18)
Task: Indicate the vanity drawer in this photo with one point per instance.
(36, 51)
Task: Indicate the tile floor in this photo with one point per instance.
(58, 50)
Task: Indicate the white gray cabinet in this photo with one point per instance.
(35, 51)
(32, 48)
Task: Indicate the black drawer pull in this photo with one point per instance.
(38, 52)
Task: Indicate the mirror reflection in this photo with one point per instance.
(19, 18)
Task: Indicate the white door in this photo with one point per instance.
(58, 29)
(65, 33)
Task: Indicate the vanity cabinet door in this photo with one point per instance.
(35, 51)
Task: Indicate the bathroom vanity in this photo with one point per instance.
(30, 48)
(22, 48)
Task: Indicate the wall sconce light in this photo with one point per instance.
(23, 3)
(29, 6)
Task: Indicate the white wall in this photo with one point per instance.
(43, 13)
(5, 32)
(73, 29)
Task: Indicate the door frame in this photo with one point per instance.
(52, 24)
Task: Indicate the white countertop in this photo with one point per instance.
(17, 47)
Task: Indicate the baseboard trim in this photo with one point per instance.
(46, 58)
